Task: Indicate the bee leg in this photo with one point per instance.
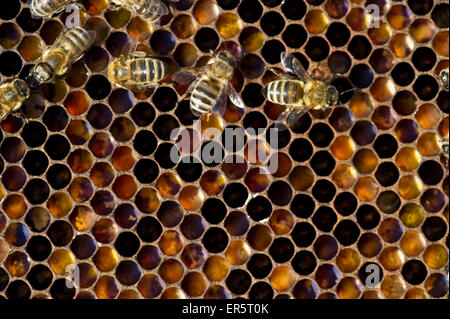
(188, 91)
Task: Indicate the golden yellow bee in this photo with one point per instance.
(12, 94)
(137, 71)
(46, 8)
(211, 85)
(298, 91)
(57, 59)
(443, 78)
(149, 10)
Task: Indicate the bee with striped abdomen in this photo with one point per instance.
(57, 59)
(298, 91)
(149, 10)
(12, 94)
(443, 78)
(47, 8)
(211, 85)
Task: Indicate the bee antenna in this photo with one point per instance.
(346, 91)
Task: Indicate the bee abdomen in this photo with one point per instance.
(76, 41)
(148, 70)
(284, 92)
(149, 9)
(205, 96)
(43, 8)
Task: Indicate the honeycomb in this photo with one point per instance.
(87, 185)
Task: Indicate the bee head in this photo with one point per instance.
(445, 146)
(443, 76)
(22, 88)
(225, 64)
(332, 96)
(40, 74)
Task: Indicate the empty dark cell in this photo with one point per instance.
(281, 250)
(34, 134)
(420, 7)
(164, 126)
(387, 174)
(40, 277)
(385, 145)
(341, 119)
(121, 100)
(361, 75)
(294, 36)
(407, 130)
(261, 290)
(39, 248)
(302, 205)
(35, 162)
(281, 137)
(164, 155)
(339, 62)
(235, 195)
(259, 266)
(321, 134)
(443, 101)
(324, 191)
(303, 234)
(300, 149)
(433, 200)
(423, 59)
(149, 229)
(36, 191)
(237, 223)
(363, 132)
(368, 217)
(271, 51)
(128, 272)
(55, 118)
(345, 203)
(165, 99)
(62, 289)
(440, 15)
(215, 240)
(183, 4)
(431, 172)
(59, 176)
(116, 43)
(10, 9)
(163, 41)
(304, 262)
(403, 74)
(206, 39)
(272, 23)
(346, 89)
(99, 116)
(2, 165)
(280, 193)
(170, 213)
(338, 34)
(98, 87)
(212, 153)
(189, 169)
(254, 121)
(251, 66)
(27, 22)
(359, 47)
(426, 87)
(252, 95)
(184, 113)
(346, 232)
(4, 279)
(388, 202)
(259, 208)
(293, 9)
(143, 114)
(367, 271)
(60, 233)
(323, 163)
(414, 272)
(250, 10)
(272, 3)
(18, 290)
(214, 210)
(57, 147)
(145, 142)
(193, 226)
(127, 244)
(317, 49)
(238, 281)
(324, 219)
(10, 63)
(228, 4)
(83, 246)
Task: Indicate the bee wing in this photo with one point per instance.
(187, 75)
(164, 8)
(322, 72)
(294, 66)
(290, 117)
(221, 104)
(234, 96)
(283, 75)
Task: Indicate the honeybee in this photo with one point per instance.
(46, 8)
(443, 78)
(57, 59)
(298, 91)
(149, 10)
(12, 94)
(445, 147)
(137, 71)
(211, 85)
